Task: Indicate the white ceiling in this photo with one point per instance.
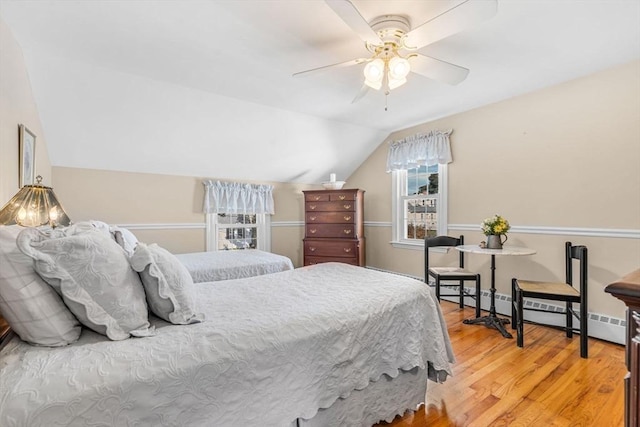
(104, 68)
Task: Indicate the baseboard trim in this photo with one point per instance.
(601, 326)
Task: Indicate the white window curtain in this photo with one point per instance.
(237, 197)
(418, 150)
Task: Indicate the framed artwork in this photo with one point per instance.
(27, 155)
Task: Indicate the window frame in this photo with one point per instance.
(263, 225)
(398, 191)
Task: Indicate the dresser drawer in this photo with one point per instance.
(330, 218)
(316, 248)
(330, 230)
(341, 206)
(312, 260)
(341, 196)
(316, 197)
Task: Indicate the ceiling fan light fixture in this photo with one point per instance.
(398, 68)
(374, 73)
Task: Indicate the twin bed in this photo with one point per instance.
(324, 345)
(224, 265)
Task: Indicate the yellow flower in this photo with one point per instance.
(495, 225)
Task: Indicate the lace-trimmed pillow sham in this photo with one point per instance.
(31, 307)
(167, 284)
(93, 276)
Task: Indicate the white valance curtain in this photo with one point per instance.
(420, 149)
(237, 197)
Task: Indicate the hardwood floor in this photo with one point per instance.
(546, 383)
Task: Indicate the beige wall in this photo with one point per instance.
(17, 106)
(566, 156)
(172, 203)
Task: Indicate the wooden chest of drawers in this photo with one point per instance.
(334, 227)
(627, 289)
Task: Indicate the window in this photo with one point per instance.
(237, 215)
(238, 231)
(419, 205)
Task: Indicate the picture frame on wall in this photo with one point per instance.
(27, 156)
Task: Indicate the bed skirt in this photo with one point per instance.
(380, 401)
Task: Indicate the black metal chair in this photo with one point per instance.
(566, 292)
(458, 274)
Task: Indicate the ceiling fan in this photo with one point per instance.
(392, 43)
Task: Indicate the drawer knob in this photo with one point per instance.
(347, 218)
(342, 197)
(347, 250)
(313, 231)
(347, 206)
(312, 207)
(317, 198)
(312, 249)
(312, 218)
(346, 231)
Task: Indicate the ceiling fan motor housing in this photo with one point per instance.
(391, 28)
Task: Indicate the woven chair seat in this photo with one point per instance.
(554, 288)
(454, 271)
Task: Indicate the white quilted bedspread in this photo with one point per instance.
(273, 348)
(225, 265)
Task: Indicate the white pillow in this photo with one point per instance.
(34, 311)
(92, 274)
(99, 225)
(167, 283)
(125, 238)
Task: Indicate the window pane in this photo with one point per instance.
(422, 180)
(421, 218)
(233, 238)
(236, 219)
(233, 235)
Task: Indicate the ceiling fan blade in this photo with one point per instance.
(437, 70)
(454, 20)
(326, 67)
(363, 91)
(350, 15)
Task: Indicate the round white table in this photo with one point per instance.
(492, 320)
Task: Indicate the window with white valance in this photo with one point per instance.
(237, 197)
(418, 165)
(419, 150)
(237, 215)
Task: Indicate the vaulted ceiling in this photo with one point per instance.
(205, 88)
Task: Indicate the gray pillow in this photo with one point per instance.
(125, 238)
(33, 310)
(92, 274)
(167, 283)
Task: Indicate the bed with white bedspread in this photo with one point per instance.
(274, 351)
(224, 265)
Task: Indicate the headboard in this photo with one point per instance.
(5, 332)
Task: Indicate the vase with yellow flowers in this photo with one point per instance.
(495, 228)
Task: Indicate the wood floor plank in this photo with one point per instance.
(546, 383)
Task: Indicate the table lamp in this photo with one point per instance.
(34, 206)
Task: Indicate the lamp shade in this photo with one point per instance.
(374, 73)
(33, 206)
(398, 68)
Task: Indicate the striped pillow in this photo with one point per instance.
(31, 307)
